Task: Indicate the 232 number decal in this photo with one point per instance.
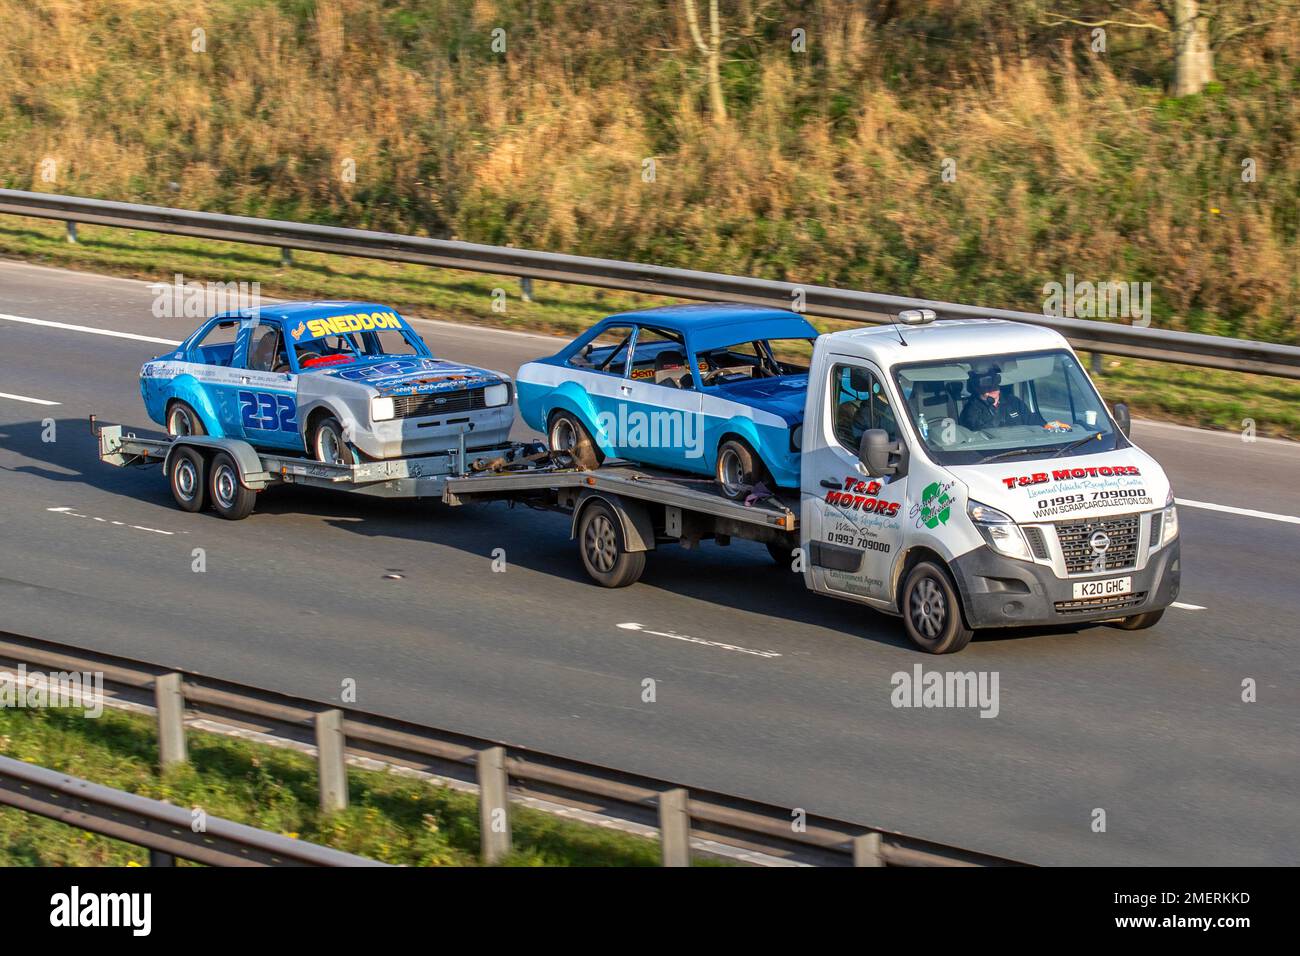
(265, 411)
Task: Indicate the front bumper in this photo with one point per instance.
(998, 591)
(406, 437)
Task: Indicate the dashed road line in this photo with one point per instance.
(1188, 607)
(114, 333)
(28, 398)
(698, 640)
(122, 524)
(1245, 512)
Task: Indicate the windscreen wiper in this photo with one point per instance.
(1095, 436)
(1006, 454)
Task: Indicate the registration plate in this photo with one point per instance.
(1105, 588)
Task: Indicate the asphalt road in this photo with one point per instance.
(1148, 726)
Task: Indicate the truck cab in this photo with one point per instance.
(966, 474)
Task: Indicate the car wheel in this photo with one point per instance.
(738, 469)
(932, 611)
(187, 479)
(566, 433)
(328, 446)
(604, 554)
(183, 420)
(1139, 622)
(229, 497)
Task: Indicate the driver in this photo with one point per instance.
(988, 408)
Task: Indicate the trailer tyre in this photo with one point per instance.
(1140, 622)
(183, 420)
(604, 550)
(188, 479)
(932, 611)
(566, 433)
(229, 497)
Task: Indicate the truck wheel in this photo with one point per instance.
(230, 499)
(566, 433)
(932, 611)
(738, 469)
(782, 554)
(600, 540)
(1139, 622)
(183, 420)
(188, 479)
(328, 446)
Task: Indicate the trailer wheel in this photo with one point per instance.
(566, 433)
(230, 498)
(604, 552)
(183, 420)
(188, 479)
(1139, 622)
(932, 611)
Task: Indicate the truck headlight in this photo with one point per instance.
(382, 409)
(1001, 533)
(1169, 526)
(495, 395)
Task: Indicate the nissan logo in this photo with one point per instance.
(1099, 542)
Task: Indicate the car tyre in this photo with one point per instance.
(188, 479)
(183, 420)
(932, 611)
(328, 446)
(737, 469)
(230, 499)
(1140, 622)
(566, 433)
(604, 550)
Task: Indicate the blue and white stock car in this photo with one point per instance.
(697, 388)
(341, 381)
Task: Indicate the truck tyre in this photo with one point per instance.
(932, 611)
(603, 549)
(229, 497)
(738, 469)
(566, 433)
(782, 554)
(183, 420)
(327, 444)
(188, 479)
(1139, 622)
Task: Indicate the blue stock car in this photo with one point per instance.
(342, 381)
(708, 389)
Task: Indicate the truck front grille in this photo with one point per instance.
(1076, 538)
(1117, 602)
(440, 403)
(1037, 543)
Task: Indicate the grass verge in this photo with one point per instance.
(390, 817)
(1177, 393)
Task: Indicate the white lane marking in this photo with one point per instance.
(1228, 509)
(121, 524)
(1187, 607)
(114, 333)
(698, 640)
(24, 398)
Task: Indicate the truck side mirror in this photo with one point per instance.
(880, 456)
(1119, 411)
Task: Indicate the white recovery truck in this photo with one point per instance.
(962, 474)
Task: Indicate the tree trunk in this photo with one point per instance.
(713, 57)
(1193, 58)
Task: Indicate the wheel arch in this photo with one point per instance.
(633, 518)
(910, 559)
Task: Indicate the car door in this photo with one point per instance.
(660, 417)
(601, 368)
(855, 521)
(267, 389)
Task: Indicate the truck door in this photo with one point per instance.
(854, 522)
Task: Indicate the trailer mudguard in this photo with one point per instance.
(638, 529)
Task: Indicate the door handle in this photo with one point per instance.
(625, 389)
(832, 483)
